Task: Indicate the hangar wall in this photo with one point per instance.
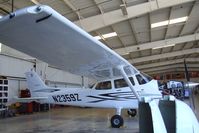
(13, 65)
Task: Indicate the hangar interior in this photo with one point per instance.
(156, 36)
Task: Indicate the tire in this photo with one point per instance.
(132, 112)
(117, 121)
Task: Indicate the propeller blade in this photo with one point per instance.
(186, 71)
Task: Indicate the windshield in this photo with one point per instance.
(147, 77)
(143, 78)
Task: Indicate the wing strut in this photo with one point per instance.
(121, 68)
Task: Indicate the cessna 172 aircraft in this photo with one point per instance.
(109, 93)
(43, 33)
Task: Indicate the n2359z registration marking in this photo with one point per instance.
(67, 98)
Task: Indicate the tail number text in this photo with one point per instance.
(67, 98)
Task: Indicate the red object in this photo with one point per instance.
(25, 93)
(29, 107)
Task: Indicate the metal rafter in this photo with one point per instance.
(150, 45)
(167, 28)
(165, 55)
(118, 36)
(134, 34)
(74, 9)
(99, 7)
(171, 70)
(190, 12)
(109, 18)
(177, 66)
(166, 32)
(164, 63)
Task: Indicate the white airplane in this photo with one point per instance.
(43, 33)
(110, 93)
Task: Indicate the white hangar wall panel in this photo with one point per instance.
(14, 86)
(14, 67)
(60, 76)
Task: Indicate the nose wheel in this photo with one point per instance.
(117, 121)
(132, 112)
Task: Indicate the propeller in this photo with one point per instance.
(189, 85)
(186, 71)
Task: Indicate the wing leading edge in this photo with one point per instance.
(43, 33)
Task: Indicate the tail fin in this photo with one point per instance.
(34, 82)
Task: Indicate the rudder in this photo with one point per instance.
(34, 82)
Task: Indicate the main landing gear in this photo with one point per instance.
(117, 121)
(132, 112)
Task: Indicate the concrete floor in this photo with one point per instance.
(68, 120)
(73, 120)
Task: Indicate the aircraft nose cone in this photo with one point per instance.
(191, 84)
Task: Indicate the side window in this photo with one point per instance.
(132, 81)
(119, 83)
(103, 85)
(140, 79)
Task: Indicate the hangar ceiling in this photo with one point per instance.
(154, 35)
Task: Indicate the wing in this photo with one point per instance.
(43, 33)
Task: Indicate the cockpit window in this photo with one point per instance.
(140, 79)
(146, 76)
(143, 78)
(119, 83)
(103, 85)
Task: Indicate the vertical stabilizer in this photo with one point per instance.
(34, 82)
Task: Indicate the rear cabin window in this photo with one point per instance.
(120, 83)
(103, 85)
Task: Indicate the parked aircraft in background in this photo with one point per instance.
(41, 32)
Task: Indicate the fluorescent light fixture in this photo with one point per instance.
(169, 45)
(171, 21)
(158, 24)
(97, 37)
(108, 35)
(178, 20)
(1, 16)
(35, 2)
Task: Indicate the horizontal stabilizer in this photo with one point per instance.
(29, 99)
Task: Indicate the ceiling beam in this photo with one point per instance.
(109, 18)
(173, 70)
(150, 45)
(165, 55)
(175, 66)
(164, 63)
(70, 5)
